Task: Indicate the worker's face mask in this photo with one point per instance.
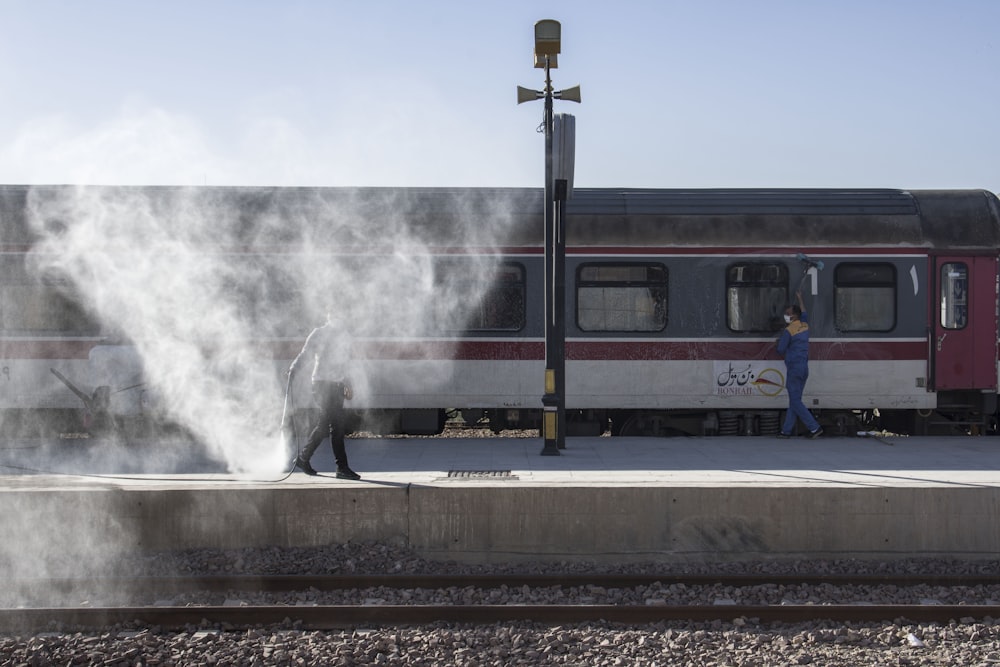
(788, 319)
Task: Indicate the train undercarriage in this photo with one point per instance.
(957, 413)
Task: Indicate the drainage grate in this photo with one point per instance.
(480, 474)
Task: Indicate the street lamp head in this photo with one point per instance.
(547, 42)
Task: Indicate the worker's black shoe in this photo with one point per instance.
(818, 432)
(304, 465)
(347, 473)
(782, 434)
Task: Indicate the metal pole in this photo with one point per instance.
(551, 431)
(559, 307)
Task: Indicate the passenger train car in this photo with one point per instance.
(674, 300)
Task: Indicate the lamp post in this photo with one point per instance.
(547, 46)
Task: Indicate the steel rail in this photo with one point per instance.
(278, 583)
(341, 616)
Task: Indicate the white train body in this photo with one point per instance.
(673, 304)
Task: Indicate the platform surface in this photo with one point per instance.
(679, 461)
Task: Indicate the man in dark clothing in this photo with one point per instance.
(328, 348)
(794, 346)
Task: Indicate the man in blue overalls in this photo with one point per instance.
(794, 346)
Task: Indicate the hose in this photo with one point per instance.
(288, 423)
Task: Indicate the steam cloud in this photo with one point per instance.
(197, 281)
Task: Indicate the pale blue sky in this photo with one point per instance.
(763, 93)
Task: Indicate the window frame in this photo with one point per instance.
(452, 271)
(47, 296)
(520, 286)
(660, 305)
(961, 301)
(845, 284)
(780, 283)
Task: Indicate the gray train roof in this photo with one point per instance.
(794, 218)
(788, 217)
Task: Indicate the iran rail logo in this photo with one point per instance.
(747, 378)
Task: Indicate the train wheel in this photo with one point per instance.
(647, 425)
(844, 424)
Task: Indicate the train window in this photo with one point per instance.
(501, 307)
(756, 296)
(621, 297)
(264, 294)
(497, 291)
(954, 295)
(47, 306)
(864, 297)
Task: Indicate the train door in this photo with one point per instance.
(964, 350)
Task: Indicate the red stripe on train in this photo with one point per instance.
(652, 350)
(720, 349)
(533, 350)
(744, 251)
(45, 349)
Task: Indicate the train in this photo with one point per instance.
(117, 302)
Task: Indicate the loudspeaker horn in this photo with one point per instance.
(527, 95)
(571, 94)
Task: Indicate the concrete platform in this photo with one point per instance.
(498, 499)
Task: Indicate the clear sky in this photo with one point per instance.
(707, 93)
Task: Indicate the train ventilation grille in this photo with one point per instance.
(480, 474)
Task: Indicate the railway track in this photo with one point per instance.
(29, 618)
(268, 582)
(328, 617)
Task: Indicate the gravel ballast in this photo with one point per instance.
(733, 642)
